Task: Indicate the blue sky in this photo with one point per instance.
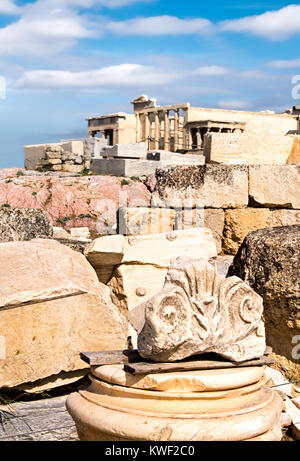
(65, 60)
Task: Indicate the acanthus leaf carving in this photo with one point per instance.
(199, 311)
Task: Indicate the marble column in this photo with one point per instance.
(199, 139)
(176, 129)
(167, 131)
(156, 131)
(185, 134)
(146, 132)
(138, 127)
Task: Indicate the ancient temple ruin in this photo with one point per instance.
(181, 127)
(153, 136)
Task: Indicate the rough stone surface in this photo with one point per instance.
(208, 186)
(199, 311)
(24, 224)
(275, 186)
(90, 201)
(42, 420)
(269, 261)
(240, 222)
(52, 307)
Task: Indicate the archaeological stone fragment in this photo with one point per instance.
(199, 311)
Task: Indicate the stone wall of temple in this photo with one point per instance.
(127, 130)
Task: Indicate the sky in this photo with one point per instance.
(64, 60)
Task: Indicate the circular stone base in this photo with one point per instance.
(206, 408)
(183, 381)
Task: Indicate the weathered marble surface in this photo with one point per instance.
(200, 311)
(269, 261)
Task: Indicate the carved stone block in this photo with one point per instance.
(199, 311)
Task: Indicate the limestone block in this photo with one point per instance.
(106, 251)
(54, 161)
(210, 218)
(247, 148)
(208, 186)
(240, 222)
(269, 261)
(72, 168)
(132, 284)
(173, 158)
(294, 158)
(156, 249)
(93, 147)
(57, 167)
(275, 186)
(52, 307)
(60, 233)
(78, 232)
(35, 153)
(130, 167)
(137, 150)
(74, 146)
(144, 220)
(199, 311)
(77, 147)
(123, 167)
(187, 160)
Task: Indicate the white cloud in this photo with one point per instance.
(160, 25)
(275, 25)
(234, 104)
(40, 33)
(211, 70)
(51, 26)
(253, 74)
(123, 75)
(289, 64)
(8, 7)
(89, 3)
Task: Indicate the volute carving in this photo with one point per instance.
(199, 311)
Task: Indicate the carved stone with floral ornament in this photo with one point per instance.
(199, 311)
